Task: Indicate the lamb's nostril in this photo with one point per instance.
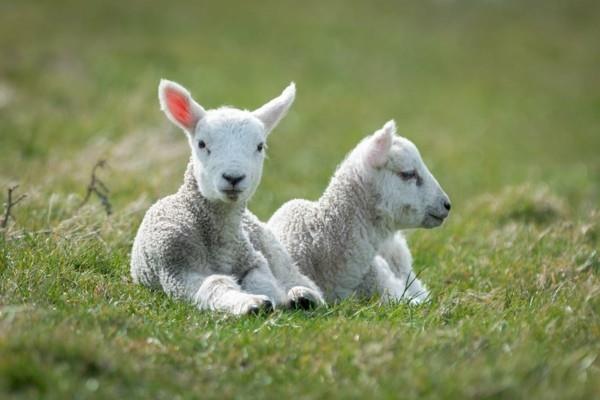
(447, 205)
(233, 179)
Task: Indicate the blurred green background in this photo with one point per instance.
(501, 97)
(494, 93)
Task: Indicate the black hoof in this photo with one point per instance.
(302, 303)
(267, 306)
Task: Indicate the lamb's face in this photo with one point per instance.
(228, 147)
(227, 144)
(407, 192)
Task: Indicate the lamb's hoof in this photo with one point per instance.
(253, 304)
(265, 308)
(303, 298)
(302, 303)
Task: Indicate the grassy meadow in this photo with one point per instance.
(501, 97)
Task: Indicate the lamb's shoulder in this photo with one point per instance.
(174, 232)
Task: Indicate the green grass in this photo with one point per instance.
(502, 98)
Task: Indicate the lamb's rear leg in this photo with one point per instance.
(222, 293)
(397, 255)
(302, 292)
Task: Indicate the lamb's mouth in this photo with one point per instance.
(433, 220)
(232, 194)
(436, 217)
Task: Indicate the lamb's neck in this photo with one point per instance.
(227, 217)
(349, 202)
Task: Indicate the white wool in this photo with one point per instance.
(348, 242)
(201, 244)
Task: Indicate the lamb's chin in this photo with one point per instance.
(430, 222)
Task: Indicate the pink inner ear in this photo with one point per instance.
(378, 151)
(179, 107)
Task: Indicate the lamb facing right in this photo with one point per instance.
(348, 241)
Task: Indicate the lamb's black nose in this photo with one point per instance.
(447, 205)
(233, 179)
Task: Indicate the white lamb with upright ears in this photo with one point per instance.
(201, 244)
(349, 241)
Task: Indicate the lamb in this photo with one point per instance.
(349, 241)
(201, 244)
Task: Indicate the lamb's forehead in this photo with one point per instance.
(228, 120)
(404, 152)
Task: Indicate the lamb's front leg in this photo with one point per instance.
(302, 292)
(222, 293)
(210, 291)
(397, 255)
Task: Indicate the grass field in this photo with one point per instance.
(502, 98)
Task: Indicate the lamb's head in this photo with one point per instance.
(406, 192)
(228, 145)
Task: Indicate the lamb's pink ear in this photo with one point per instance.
(179, 106)
(271, 113)
(379, 144)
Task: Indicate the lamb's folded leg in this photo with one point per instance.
(381, 280)
(396, 253)
(210, 292)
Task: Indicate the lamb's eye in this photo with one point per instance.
(260, 147)
(201, 144)
(408, 175)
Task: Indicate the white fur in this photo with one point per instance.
(201, 244)
(231, 137)
(348, 241)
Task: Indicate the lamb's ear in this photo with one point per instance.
(271, 113)
(379, 144)
(179, 106)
